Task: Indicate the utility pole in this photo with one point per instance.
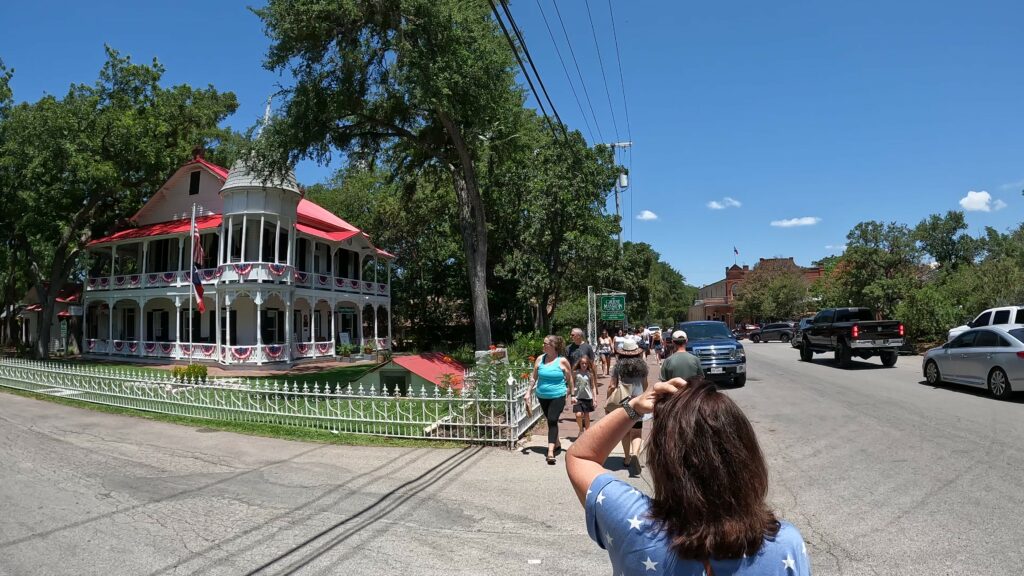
(621, 183)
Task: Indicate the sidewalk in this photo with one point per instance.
(568, 431)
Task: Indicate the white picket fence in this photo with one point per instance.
(489, 409)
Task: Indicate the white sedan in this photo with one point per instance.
(990, 357)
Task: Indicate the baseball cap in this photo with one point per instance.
(679, 336)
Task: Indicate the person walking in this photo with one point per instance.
(708, 514)
(552, 378)
(583, 393)
(630, 370)
(604, 348)
(681, 364)
(656, 345)
(579, 348)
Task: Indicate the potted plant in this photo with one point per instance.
(368, 349)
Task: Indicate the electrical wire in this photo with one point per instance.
(604, 77)
(565, 69)
(622, 83)
(572, 53)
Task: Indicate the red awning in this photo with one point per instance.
(332, 236)
(161, 229)
(64, 314)
(34, 308)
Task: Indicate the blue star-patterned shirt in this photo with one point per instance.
(617, 519)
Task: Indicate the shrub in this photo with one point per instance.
(190, 373)
(526, 345)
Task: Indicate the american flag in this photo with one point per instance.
(735, 251)
(197, 260)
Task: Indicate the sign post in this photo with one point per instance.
(608, 305)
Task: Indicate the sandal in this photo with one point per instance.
(551, 459)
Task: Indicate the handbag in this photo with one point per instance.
(616, 398)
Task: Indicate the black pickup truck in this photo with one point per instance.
(850, 332)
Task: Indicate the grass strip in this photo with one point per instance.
(248, 428)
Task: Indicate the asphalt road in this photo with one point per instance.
(883, 474)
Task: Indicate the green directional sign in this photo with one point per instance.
(613, 307)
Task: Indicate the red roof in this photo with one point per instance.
(333, 236)
(161, 229)
(433, 367)
(320, 217)
(220, 171)
(34, 308)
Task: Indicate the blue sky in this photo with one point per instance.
(814, 113)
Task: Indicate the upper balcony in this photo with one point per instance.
(241, 272)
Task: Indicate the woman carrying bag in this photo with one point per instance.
(629, 380)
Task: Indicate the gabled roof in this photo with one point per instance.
(433, 367)
(218, 171)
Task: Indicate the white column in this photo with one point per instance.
(216, 310)
(376, 334)
(262, 217)
(145, 252)
(181, 258)
(245, 229)
(288, 329)
(312, 328)
(113, 264)
(391, 342)
(291, 245)
(277, 242)
(110, 328)
(140, 335)
(85, 323)
(359, 323)
(333, 253)
(227, 329)
(334, 331)
(259, 330)
(177, 326)
(231, 239)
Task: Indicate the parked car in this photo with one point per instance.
(991, 357)
(850, 332)
(721, 356)
(798, 331)
(991, 317)
(781, 331)
(742, 331)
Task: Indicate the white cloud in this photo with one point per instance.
(791, 222)
(646, 215)
(726, 202)
(835, 247)
(981, 202)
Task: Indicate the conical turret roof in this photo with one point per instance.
(242, 176)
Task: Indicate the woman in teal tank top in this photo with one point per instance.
(552, 377)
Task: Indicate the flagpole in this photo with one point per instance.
(191, 280)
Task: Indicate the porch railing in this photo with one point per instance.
(488, 410)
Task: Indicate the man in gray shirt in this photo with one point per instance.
(682, 364)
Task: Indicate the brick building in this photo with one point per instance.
(716, 301)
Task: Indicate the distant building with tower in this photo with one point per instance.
(717, 301)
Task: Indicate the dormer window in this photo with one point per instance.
(193, 183)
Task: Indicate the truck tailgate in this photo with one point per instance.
(878, 330)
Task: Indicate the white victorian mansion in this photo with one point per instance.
(284, 279)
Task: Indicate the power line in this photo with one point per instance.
(572, 53)
(529, 58)
(565, 68)
(604, 77)
(515, 52)
(622, 83)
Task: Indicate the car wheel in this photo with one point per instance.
(889, 359)
(784, 338)
(931, 373)
(843, 355)
(806, 354)
(999, 384)
(740, 380)
(755, 339)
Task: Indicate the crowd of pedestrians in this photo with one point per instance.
(708, 513)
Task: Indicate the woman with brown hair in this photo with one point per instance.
(553, 384)
(708, 514)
